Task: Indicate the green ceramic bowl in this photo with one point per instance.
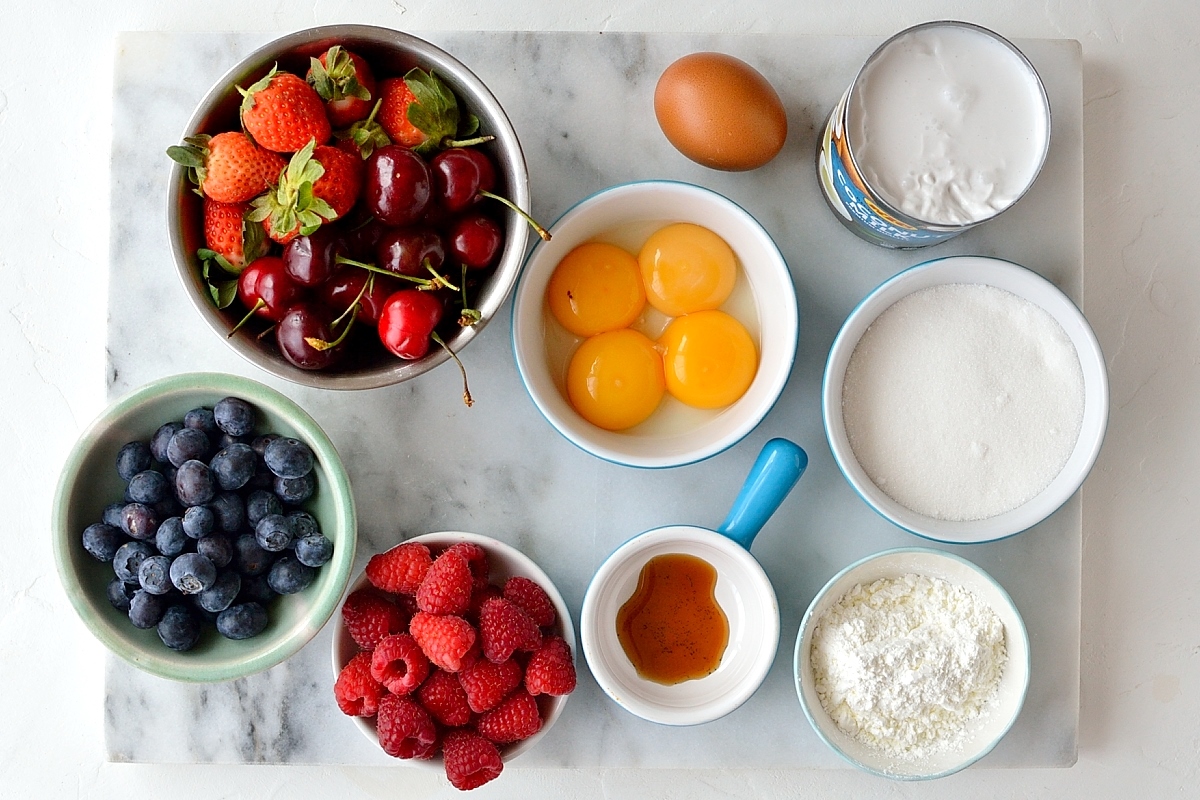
(89, 482)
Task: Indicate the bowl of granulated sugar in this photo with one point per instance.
(965, 399)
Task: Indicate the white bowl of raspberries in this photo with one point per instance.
(454, 651)
(347, 207)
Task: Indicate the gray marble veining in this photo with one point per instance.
(419, 461)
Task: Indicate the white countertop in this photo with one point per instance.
(1140, 685)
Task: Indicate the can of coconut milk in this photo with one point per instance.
(946, 125)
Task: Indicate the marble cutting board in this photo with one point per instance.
(419, 461)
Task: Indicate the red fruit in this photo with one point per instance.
(226, 232)
(265, 288)
(401, 569)
(479, 596)
(475, 240)
(396, 97)
(504, 628)
(356, 692)
(405, 729)
(459, 175)
(345, 286)
(399, 664)
(228, 167)
(282, 113)
(342, 182)
(445, 640)
(409, 317)
(476, 556)
(447, 585)
(486, 684)
(551, 670)
(515, 719)
(442, 696)
(530, 598)
(370, 618)
(471, 760)
(306, 338)
(320, 184)
(344, 81)
(398, 187)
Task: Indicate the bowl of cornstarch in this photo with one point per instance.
(965, 399)
(912, 664)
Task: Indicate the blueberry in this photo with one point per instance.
(192, 573)
(223, 440)
(199, 521)
(220, 595)
(112, 514)
(217, 548)
(263, 480)
(145, 609)
(234, 416)
(179, 629)
(188, 444)
(234, 466)
(102, 541)
(242, 621)
(139, 521)
(248, 558)
(120, 593)
(273, 533)
(154, 574)
(132, 459)
(304, 524)
(288, 458)
(147, 487)
(194, 484)
(288, 576)
(230, 512)
(314, 551)
(129, 558)
(255, 590)
(294, 491)
(202, 419)
(169, 506)
(259, 443)
(261, 504)
(170, 538)
(160, 440)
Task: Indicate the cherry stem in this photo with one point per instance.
(353, 308)
(439, 279)
(467, 399)
(542, 232)
(322, 345)
(448, 142)
(469, 315)
(259, 304)
(437, 282)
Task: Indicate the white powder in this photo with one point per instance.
(963, 401)
(904, 664)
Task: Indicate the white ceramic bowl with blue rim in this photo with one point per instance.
(984, 732)
(743, 591)
(633, 206)
(1023, 283)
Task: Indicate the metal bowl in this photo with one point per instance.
(390, 52)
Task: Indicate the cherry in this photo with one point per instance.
(475, 240)
(398, 185)
(459, 174)
(407, 322)
(362, 238)
(310, 260)
(301, 325)
(411, 251)
(345, 286)
(266, 290)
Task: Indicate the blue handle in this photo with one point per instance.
(779, 466)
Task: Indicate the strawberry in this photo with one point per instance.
(446, 640)
(395, 98)
(370, 618)
(420, 111)
(363, 137)
(229, 240)
(405, 729)
(530, 598)
(514, 719)
(505, 628)
(228, 167)
(470, 760)
(443, 696)
(344, 81)
(320, 184)
(398, 663)
(283, 113)
(356, 692)
(551, 670)
(486, 684)
(401, 569)
(447, 585)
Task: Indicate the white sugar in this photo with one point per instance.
(963, 401)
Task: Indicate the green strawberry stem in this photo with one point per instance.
(467, 399)
(542, 232)
(246, 318)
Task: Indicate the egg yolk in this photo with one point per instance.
(710, 359)
(615, 379)
(686, 268)
(596, 288)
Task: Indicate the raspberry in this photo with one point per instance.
(401, 569)
(478, 596)
(471, 760)
(445, 640)
(405, 729)
(486, 684)
(476, 557)
(530, 598)
(356, 692)
(369, 618)
(515, 719)
(446, 588)
(550, 670)
(399, 664)
(504, 628)
(443, 697)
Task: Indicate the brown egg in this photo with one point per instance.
(720, 112)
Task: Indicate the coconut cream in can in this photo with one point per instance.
(946, 125)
